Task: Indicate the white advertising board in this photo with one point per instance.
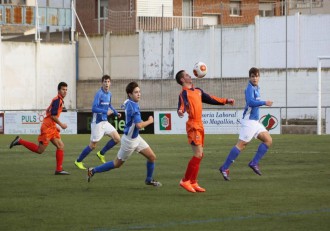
(215, 122)
(30, 122)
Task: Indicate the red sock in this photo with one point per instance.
(193, 178)
(192, 167)
(59, 160)
(31, 146)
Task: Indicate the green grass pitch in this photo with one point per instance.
(292, 194)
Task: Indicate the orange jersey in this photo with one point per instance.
(55, 108)
(191, 100)
(48, 130)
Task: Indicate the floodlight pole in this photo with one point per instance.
(162, 58)
(73, 22)
(319, 94)
(98, 17)
(37, 32)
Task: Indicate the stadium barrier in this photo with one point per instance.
(165, 122)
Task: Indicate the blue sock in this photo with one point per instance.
(150, 170)
(104, 167)
(108, 146)
(84, 153)
(233, 154)
(262, 149)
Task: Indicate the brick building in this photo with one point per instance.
(129, 16)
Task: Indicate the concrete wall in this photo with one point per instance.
(115, 55)
(30, 73)
(228, 52)
(124, 56)
(301, 96)
(92, 55)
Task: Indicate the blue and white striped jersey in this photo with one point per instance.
(101, 105)
(132, 117)
(253, 102)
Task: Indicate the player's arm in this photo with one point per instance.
(183, 101)
(139, 123)
(144, 124)
(54, 112)
(250, 100)
(210, 99)
(96, 107)
(56, 120)
(269, 103)
(115, 112)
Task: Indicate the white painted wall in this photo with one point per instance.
(302, 91)
(124, 56)
(228, 52)
(91, 57)
(262, 45)
(30, 73)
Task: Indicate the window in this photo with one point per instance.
(153, 8)
(187, 12)
(301, 4)
(210, 19)
(235, 8)
(103, 8)
(14, 2)
(266, 9)
(5, 1)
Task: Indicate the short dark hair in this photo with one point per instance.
(130, 87)
(254, 71)
(104, 77)
(178, 77)
(61, 84)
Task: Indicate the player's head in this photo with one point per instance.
(183, 78)
(254, 71)
(133, 91)
(254, 76)
(61, 84)
(130, 87)
(62, 89)
(105, 77)
(179, 76)
(106, 82)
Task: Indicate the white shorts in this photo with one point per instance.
(101, 129)
(128, 146)
(250, 129)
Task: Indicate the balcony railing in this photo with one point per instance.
(168, 23)
(126, 22)
(26, 16)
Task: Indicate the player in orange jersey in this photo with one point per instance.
(190, 101)
(49, 130)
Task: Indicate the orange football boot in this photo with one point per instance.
(187, 186)
(197, 187)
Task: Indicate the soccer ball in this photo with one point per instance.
(200, 70)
